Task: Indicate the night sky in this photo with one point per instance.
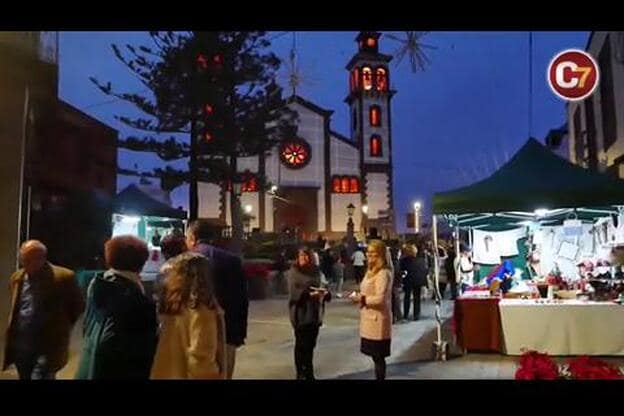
(452, 125)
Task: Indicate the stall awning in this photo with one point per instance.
(534, 178)
(133, 201)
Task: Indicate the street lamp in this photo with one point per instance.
(247, 218)
(365, 209)
(417, 207)
(236, 187)
(274, 189)
(350, 210)
(350, 239)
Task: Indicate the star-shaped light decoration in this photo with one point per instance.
(412, 46)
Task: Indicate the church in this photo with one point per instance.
(316, 175)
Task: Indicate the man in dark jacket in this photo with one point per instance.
(414, 268)
(230, 285)
(45, 304)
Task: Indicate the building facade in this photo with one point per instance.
(596, 124)
(316, 175)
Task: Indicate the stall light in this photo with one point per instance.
(365, 209)
(248, 209)
(130, 219)
(541, 212)
(273, 189)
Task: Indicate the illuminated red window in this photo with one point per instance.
(355, 79)
(250, 185)
(375, 115)
(344, 185)
(382, 80)
(371, 42)
(336, 184)
(375, 146)
(367, 78)
(354, 187)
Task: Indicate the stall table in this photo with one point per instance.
(569, 327)
(477, 324)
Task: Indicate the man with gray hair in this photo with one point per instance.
(45, 304)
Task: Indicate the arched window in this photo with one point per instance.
(336, 184)
(367, 78)
(371, 42)
(344, 185)
(381, 79)
(354, 185)
(355, 79)
(374, 113)
(375, 146)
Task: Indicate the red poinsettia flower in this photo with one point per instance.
(586, 368)
(537, 366)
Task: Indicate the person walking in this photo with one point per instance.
(46, 302)
(413, 265)
(359, 264)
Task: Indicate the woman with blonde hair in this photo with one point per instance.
(375, 301)
(192, 338)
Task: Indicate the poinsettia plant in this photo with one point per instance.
(534, 365)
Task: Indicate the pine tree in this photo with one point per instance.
(210, 97)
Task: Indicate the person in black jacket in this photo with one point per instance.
(449, 266)
(306, 304)
(230, 285)
(120, 326)
(413, 266)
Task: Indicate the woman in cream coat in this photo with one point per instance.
(192, 336)
(375, 301)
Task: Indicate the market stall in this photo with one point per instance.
(554, 225)
(142, 215)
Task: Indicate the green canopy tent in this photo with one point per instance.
(534, 179)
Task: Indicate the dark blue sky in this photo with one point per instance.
(452, 125)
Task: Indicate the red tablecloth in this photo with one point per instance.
(477, 324)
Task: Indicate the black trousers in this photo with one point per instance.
(359, 273)
(396, 304)
(453, 290)
(380, 368)
(409, 291)
(305, 341)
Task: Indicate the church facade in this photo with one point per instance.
(316, 175)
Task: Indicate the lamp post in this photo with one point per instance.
(350, 239)
(247, 218)
(417, 207)
(364, 219)
(237, 186)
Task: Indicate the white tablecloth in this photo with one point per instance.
(569, 328)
